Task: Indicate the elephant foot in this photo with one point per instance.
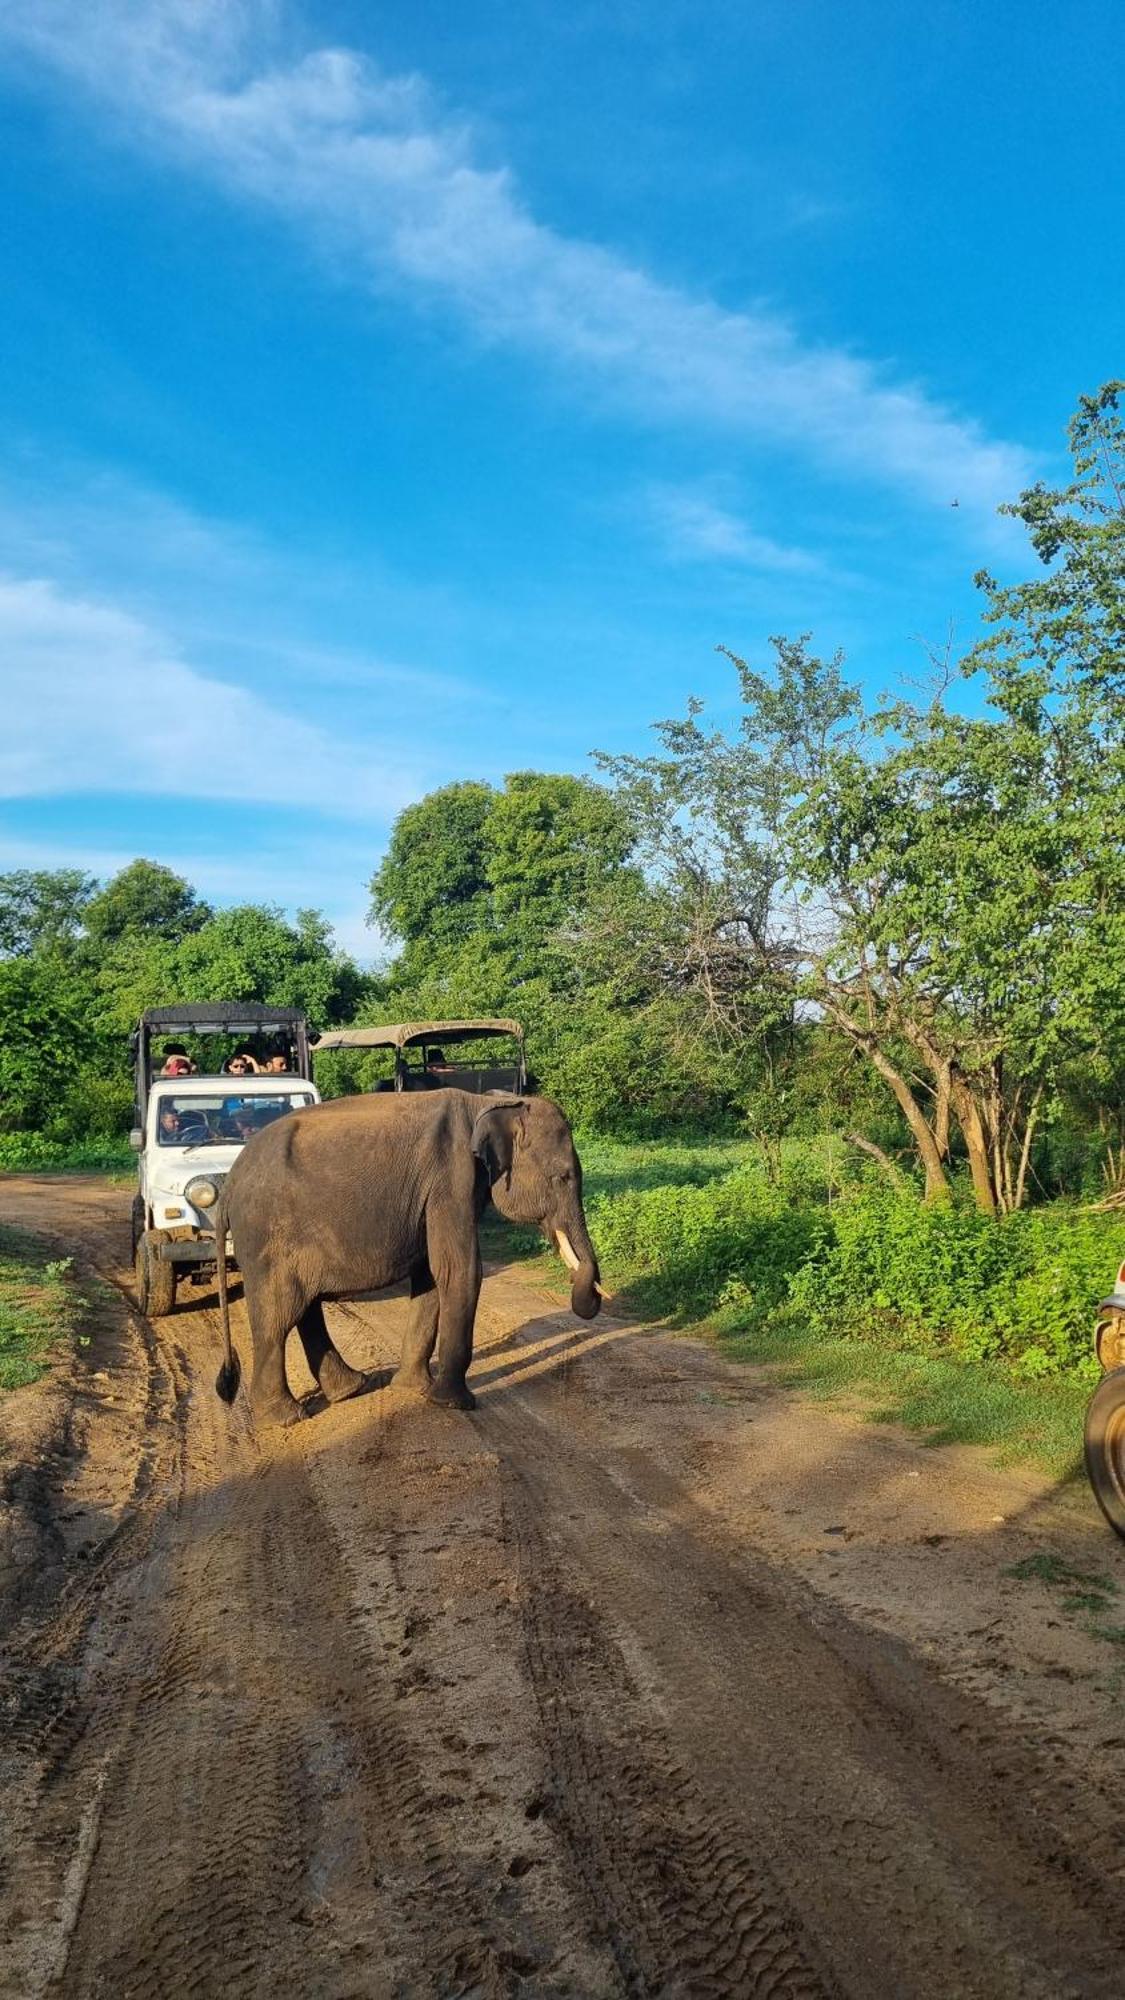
(280, 1414)
(411, 1381)
(451, 1395)
(337, 1380)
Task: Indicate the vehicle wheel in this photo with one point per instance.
(138, 1222)
(156, 1280)
(1105, 1447)
(1109, 1340)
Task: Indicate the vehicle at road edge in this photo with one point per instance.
(1105, 1418)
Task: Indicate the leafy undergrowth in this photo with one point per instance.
(31, 1153)
(970, 1329)
(40, 1305)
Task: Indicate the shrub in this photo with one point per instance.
(1022, 1289)
(31, 1153)
(684, 1248)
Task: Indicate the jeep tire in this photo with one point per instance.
(1105, 1447)
(156, 1280)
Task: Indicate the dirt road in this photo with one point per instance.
(645, 1679)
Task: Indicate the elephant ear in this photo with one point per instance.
(497, 1131)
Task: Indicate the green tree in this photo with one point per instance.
(432, 885)
(46, 1038)
(947, 890)
(42, 908)
(145, 899)
(251, 952)
(552, 843)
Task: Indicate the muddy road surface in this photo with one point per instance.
(648, 1678)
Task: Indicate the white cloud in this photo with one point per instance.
(96, 701)
(695, 528)
(225, 589)
(377, 174)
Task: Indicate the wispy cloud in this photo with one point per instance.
(378, 174)
(693, 527)
(223, 588)
(96, 701)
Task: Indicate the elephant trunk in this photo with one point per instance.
(585, 1289)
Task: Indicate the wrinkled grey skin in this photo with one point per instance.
(363, 1192)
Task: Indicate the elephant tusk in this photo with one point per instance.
(567, 1251)
(600, 1290)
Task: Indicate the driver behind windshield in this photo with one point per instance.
(182, 1127)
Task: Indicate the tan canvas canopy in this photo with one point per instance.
(405, 1033)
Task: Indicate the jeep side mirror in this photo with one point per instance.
(137, 1139)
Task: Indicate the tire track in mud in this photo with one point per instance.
(912, 1833)
(253, 1730)
(681, 1900)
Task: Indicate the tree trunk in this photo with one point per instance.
(941, 1111)
(977, 1144)
(937, 1181)
(1025, 1149)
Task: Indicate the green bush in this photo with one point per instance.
(1022, 1289)
(772, 1237)
(31, 1153)
(94, 1108)
(684, 1249)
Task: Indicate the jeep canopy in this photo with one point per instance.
(408, 1033)
(432, 1071)
(217, 1017)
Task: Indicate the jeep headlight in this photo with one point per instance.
(201, 1192)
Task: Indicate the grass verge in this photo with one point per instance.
(31, 1153)
(948, 1400)
(40, 1305)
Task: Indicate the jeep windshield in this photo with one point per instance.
(225, 1119)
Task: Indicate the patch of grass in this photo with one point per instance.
(1114, 1635)
(40, 1304)
(31, 1153)
(949, 1401)
(1042, 1567)
(1093, 1598)
(617, 1166)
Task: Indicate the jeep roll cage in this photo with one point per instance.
(216, 1017)
(406, 1035)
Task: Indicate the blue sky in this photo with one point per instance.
(399, 392)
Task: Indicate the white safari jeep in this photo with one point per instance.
(191, 1128)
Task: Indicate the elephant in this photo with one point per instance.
(362, 1192)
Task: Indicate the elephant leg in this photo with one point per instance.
(272, 1312)
(420, 1338)
(326, 1364)
(458, 1293)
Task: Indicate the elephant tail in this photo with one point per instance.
(229, 1375)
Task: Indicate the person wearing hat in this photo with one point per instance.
(177, 1061)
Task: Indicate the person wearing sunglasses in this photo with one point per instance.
(241, 1064)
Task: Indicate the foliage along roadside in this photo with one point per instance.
(974, 1329)
(40, 1306)
(33, 1153)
